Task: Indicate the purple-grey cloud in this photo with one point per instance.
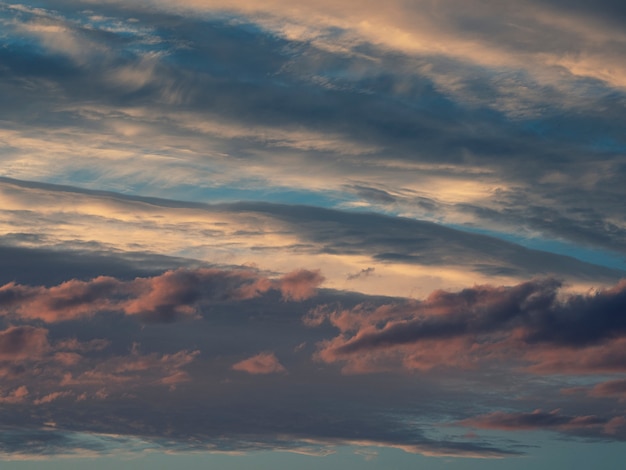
(166, 297)
(532, 321)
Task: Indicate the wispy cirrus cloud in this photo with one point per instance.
(278, 236)
(553, 420)
(473, 173)
(232, 226)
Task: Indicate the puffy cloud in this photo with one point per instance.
(15, 396)
(262, 363)
(164, 298)
(531, 321)
(58, 303)
(300, 285)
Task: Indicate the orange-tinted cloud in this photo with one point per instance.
(538, 420)
(606, 357)
(262, 363)
(164, 298)
(300, 285)
(111, 373)
(532, 324)
(23, 342)
(612, 388)
(15, 396)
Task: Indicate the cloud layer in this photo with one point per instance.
(146, 348)
(134, 95)
(530, 324)
(168, 297)
(229, 226)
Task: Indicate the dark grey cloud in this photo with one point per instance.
(40, 266)
(385, 238)
(411, 241)
(612, 11)
(373, 194)
(362, 273)
(532, 311)
(581, 223)
(612, 388)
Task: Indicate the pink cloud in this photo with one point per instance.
(531, 325)
(72, 344)
(15, 396)
(49, 398)
(612, 388)
(539, 420)
(135, 369)
(23, 342)
(167, 297)
(608, 357)
(67, 358)
(31, 364)
(262, 363)
(300, 285)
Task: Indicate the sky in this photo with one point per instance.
(326, 234)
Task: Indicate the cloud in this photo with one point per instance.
(276, 236)
(532, 321)
(553, 420)
(144, 376)
(155, 114)
(363, 273)
(51, 397)
(193, 378)
(607, 356)
(23, 342)
(15, 396)
(262, 363)
(403, 240)
(33, 265)
(46, 441)
(300, 285)
(612, 388)
(560, 37)
(59, 378)
(164, 298)
(123, 373)
(402, 134)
